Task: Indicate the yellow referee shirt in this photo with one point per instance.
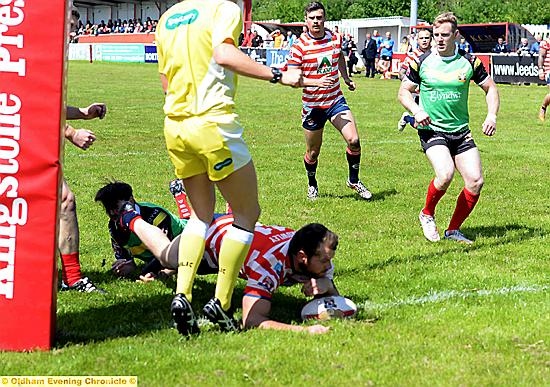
(186, 37)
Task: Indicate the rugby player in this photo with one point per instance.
(318, 53)
(443, 75)
(278, 256)
(544, 74)
(68, 241)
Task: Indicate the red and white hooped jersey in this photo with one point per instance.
(545, 44)
(318, 58)
(267, 265)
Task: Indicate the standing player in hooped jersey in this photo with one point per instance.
(317, 53)
(198, 65)
(443, 76)
(544, 74)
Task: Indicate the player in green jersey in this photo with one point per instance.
(443, 75)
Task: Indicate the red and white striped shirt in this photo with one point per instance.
(318, 58)
(411, 57)
(545, 44)
(267, 265)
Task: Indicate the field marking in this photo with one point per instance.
(435, 297)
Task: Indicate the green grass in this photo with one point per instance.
(430, 314)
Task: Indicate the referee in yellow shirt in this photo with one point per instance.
(198, 64)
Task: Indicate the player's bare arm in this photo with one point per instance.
(256, 314)
(231, 58)
(542, 55)
(95, 110)
(344, 72)
(406, 98)
(82, 138)
(493, 104)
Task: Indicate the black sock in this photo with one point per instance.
(353, 165)
(311, 169)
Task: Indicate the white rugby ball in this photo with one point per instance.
(326, 308)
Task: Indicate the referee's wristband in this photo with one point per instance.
(277, 75)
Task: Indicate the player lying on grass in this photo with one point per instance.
(278, 256)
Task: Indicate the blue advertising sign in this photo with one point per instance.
(151, 54)
(276, 58)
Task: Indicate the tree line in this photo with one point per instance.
(467, 11)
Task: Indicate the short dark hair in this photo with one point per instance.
(314, 6)
(309, 238)
(112, 193)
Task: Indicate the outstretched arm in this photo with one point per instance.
(256, 314)
(231, 58)
(82, 138)
(95, 110)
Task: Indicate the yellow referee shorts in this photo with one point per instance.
(197, 145)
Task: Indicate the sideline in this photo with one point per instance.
(435, 297)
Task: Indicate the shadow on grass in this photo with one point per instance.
(506, 234)
(142, 313)
(376, 196)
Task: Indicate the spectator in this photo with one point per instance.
(386, 55)
(405, 45)
(369, 55)
(378, 39)
(501, 47)
(523, 47)
(257, 40)
(535, 47)
(290, 39)
(352, 59)
(413, 42)
(464, 45)
(345, 45)
(337, 32)
(278, 39)
(247, 39)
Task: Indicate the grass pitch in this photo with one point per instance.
(430, 314)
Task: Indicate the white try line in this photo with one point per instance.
(435, 297)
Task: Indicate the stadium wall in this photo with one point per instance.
(504, 68)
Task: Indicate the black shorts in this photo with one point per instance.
(385, 57)
(456, 142)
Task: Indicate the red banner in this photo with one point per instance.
(32, 101)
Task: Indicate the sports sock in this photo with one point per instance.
(70, 268)
(190, 251)
(184, 210)
(235, 246)
(432, 198)
(354, 160)
(311, 169)
(464, 206)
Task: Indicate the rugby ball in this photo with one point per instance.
(327, 308)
